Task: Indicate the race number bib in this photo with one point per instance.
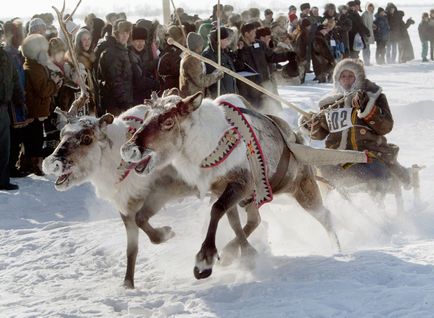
(339, 119)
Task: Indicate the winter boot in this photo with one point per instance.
(36, 166)
(24, 164)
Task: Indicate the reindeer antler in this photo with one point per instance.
(78, 103)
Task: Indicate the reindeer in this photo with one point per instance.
(184, 131)
(89, 151)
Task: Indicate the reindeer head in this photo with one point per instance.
(79, 152)
(162, 134)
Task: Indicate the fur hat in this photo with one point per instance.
(235, 19)
(292, 7)
(342, 8)
(175, 33)
(305, 6)
(35, 47)
(145, 24)
(248, 27)
(330, 6)
(194, 41)
(55, 46)
(228, 7)
(78, 36)
(139, 33)
(224, 34)
(122, 26)
(35, 24)
(353, 65)
(262, 32)
(254, 12)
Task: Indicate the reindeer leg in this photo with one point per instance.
(156, 235)
(309, 197)
(207, 255)
(163, 190)
(231, 250)
(132, 249)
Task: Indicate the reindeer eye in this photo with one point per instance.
(168, 123)
(86, 140)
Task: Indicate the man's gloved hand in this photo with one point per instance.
(218, 74)
(360, 100)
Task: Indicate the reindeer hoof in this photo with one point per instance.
(229, 253)
(162, 234)
(201, 275)
(128, 284)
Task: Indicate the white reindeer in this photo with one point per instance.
(185, 131)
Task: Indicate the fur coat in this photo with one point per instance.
(322, 57)
(193, 77)
(40, 89)
(353, 129)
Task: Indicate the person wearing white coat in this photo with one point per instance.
(368, 21)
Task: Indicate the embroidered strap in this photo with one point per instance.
(228, 142)
(263, 192)
(125, 167)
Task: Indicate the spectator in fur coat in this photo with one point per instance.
(193, 77)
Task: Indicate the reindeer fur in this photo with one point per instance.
(184, 131)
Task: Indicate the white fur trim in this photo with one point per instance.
(372, 99)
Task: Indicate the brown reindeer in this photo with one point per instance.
(183, 132)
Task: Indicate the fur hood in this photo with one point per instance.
(361, 82)
(35, 47)
(354, 66)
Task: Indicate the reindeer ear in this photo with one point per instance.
(106, 120)
(193, 102)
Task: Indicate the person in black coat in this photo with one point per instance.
(142, 65)
(358, 29)
(228, 84)
(114, 72)
(170, 60)
(344, 24)
(254, 56)
(381, 34)
(395, 33)
(10, 91)
(405, 47)
(431, 40)
(424, 35)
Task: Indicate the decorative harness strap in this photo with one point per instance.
(125, 167)
(242, 130)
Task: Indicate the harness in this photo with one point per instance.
(133, 123)
(242, 130)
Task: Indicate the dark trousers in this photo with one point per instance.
(4, 145)
(432, 50)
(380, 53)
(33, 144)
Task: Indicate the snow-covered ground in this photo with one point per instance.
(62, 254)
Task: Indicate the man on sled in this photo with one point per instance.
(356, 116)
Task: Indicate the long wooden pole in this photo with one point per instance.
(166, 12)
(219, 49)
(239, 77)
